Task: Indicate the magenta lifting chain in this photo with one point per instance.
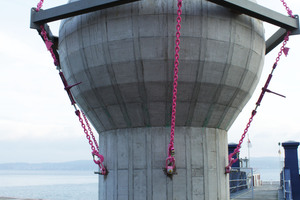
(39, 5)
(289, 11)
(265, 89)
(93, 143)
(49, 44)
(170, 161)
(97, 157)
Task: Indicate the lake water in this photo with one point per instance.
(49, 185)
(268, 174)
(67, 185)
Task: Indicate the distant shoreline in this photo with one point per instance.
(268, 167)
(72, 165)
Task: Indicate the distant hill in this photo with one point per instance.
(256, 163)
(73, 165)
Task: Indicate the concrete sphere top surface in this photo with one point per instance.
(124, 57)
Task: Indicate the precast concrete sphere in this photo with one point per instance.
(124, 57)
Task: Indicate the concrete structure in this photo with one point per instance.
(291, 162)
(124, 57)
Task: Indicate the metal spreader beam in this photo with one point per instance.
(71, 10)
(257, 11)
(241, 6)
(265, 14)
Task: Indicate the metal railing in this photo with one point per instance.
(288, 192)
(241, 183)
(285, 183)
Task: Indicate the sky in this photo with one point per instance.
(38, 124)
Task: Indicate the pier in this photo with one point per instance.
(267, 191)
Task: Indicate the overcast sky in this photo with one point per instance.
(37, 122)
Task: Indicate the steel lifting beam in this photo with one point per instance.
(257, 11)
(279, 35)
(71, 10)
(262, 13)
(242, 6)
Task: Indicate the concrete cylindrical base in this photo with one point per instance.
(135, 159)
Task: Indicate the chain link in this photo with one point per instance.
(284, 50)
(289, 11)
(283, 47)
(237, 149)
(44, 34)
(39, 5)
(95, 150)
(88, 132)
(49, 45)
(171, 160)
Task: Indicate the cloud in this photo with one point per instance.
(37, 122)
(15, 130)
(43, 150)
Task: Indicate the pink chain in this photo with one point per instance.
(95, 150)
(237, 149)
(49, 45)
(290, 13)
(284, 50)
(45, 36)
(170, 161)
(90, 130)
(86, 133)
(39, 5)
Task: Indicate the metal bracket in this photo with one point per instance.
(297, 30)
(279, 35)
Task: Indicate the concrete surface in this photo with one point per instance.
(264, 192)
(136, 160)
(124, 58)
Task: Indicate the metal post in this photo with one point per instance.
(252, 184)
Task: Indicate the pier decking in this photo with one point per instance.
(264, 192)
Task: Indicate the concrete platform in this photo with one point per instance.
(264, 192)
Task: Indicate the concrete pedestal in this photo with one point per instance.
(136, 159)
